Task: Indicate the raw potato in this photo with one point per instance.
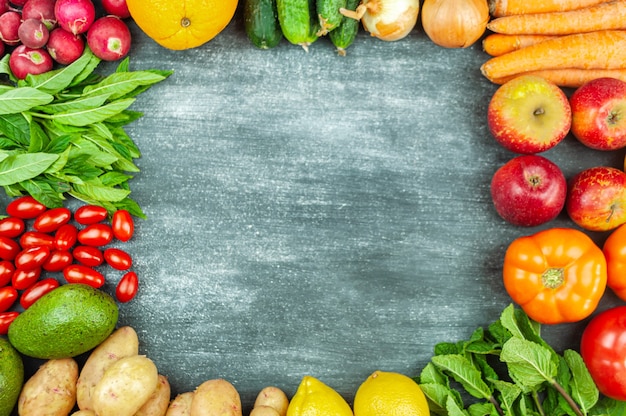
(181, 405)
(273, 397)
(125, 386)
(159, 401)
(264, 411)
(216, 397)
(84, 413)
(51, 391)
(123, 342)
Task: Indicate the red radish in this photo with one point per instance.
(2, 49)
(25, 60)
(109, 38)
(65, 47)
(117, 8)
(75, 16)
(33, 33)
(9, 25)
(42, 10)
(18, 3)
(5, 6)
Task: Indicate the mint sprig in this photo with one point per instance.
(62, 133)
(509, 369)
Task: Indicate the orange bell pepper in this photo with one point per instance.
(615, 253)
(556, 275)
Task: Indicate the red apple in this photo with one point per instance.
(529, 190)
(529, 114)
(599, 114)
(596, 199)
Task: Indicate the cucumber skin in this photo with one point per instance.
(328, 14)
(261, 23)
(344, 35)
(296, 21)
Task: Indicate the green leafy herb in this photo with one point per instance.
(509, 369)
(62, 133)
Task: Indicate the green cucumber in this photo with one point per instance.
(329, 15)
(297, 21)
(261, 23)
(344, 35)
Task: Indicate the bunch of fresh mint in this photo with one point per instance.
(61, 133)
(509, 369)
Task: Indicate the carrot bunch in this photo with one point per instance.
(568, 42)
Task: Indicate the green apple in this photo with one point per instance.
(529, 114)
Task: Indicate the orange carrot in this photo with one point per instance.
(496, 44)
(499, 8)
(611, 15)
(604, 49)
(570, 77)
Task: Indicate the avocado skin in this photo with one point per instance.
(11, 377)
(66, 322)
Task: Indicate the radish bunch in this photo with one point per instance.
(40, 34)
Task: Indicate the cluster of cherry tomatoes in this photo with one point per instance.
(36, 240)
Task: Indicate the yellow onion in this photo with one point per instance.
(455, 23)
(387, 19)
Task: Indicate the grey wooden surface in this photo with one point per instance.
(316, 214)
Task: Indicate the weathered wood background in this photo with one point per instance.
(316, 214)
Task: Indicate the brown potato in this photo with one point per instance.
(125, 386)
(273, 397)
(181, 405)
(159, 401)
(123, 342)
(264, 411)
(84, 413)
(216, 397)
(51, 391)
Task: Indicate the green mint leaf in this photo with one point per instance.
(78, 104)
(437, 395)
(507, 393)
(120, 84)
(608, 407)
(21, 167)
(529, 364)
(100, 192)
(462, 370)
(57, 80)
(22, 99)
(583, 388)
(482, 409)
(431, 374)
(454, 409)
(80, 118)
(446, 348)
(16, 128)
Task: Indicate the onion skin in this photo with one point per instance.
(389, 20)
(455, 23)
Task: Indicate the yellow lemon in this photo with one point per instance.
(314, 398)
(390, 394)
(182, 24)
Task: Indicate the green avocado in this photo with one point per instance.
(66, 322)
(11, 377)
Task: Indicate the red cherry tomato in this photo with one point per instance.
(65, 237)
(79, 273)
(603, 348)
(25, 207)
(117, 258)
(23, 279)
(12, 227)
(36, 239)
(58, 260)
(7, 268)
(8, 296)
(31, 258)
(6, 318)
(95, 235)
(88, 255)
(90, 214)
(50, 220)
(33, 293)
(127, 287)
(123, 225)
(8, 248)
